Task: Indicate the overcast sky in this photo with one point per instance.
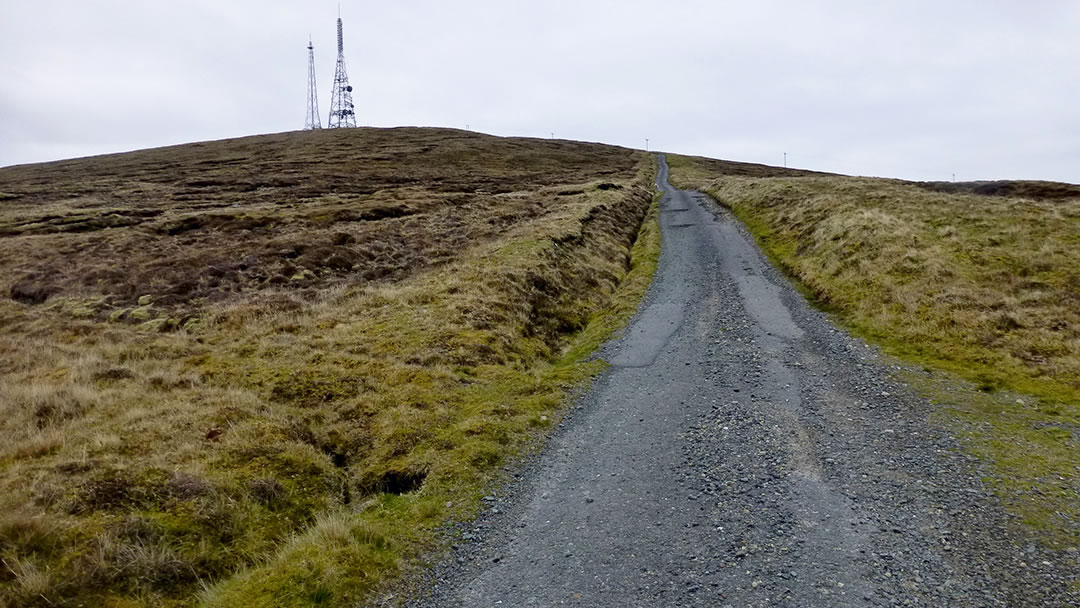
(919, 90)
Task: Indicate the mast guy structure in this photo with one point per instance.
(341, 104)
(312, 120)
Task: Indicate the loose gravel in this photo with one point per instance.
(743, 451)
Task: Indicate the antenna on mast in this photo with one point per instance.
(341, 103)
(312, 119)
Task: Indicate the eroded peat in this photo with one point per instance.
(268, 368)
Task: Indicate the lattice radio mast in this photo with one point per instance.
(312, 120)
(341, 105)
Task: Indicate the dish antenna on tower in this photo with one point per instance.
(341, 103)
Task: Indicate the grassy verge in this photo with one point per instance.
(201, 408)
(477, 426)
(982, 289)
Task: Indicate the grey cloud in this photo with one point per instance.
(910, 89)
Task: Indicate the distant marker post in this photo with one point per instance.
(646, 144)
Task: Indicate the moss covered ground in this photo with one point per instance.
(271, 374)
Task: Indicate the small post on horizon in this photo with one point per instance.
(785, 160)
(646, 144)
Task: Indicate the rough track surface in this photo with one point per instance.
(744, 452)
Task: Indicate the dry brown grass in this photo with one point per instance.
(180, 428)
(975, 280)
(197, 224)
(981, 280)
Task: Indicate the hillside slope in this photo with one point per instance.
(270, 367)
(981, 280)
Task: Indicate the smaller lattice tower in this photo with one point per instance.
(341, 105)
(312, 120)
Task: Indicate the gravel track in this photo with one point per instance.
(742, 451)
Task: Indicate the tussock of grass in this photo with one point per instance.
(986, 287)
(302, 441)
(340, 558)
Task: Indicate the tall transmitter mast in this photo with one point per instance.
(312, 120)
(341, 104)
